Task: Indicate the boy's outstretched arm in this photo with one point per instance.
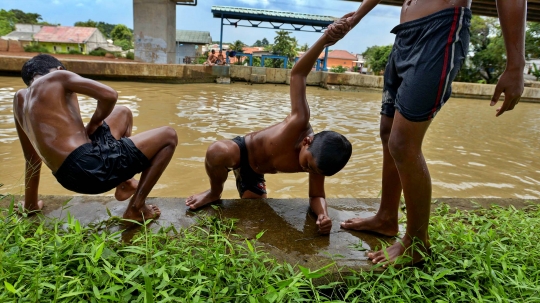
(512, 15)
(32, 171)
(365, 7)
(300, 71)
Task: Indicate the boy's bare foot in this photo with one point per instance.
(402, 253)
(141, 215)
(374, 224)
(201, 199)
(126, 189)
(29, 209)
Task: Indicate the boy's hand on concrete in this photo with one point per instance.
(511, 84)
(324, 223)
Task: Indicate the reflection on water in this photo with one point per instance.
(470, 153)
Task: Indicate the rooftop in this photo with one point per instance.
(339, 54)
(64, 34)
(19, 36)
(271, 16)
(193, 37)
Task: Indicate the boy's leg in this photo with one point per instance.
(120, 123)
(158, 146)
(405, 146)
(220, 157)
(385, 222)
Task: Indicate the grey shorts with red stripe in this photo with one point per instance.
(425, 59)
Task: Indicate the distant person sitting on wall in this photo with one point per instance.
(289, 146)
(211, 58)
(89, 159)
(220, 58)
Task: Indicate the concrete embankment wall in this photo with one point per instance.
(174, 73)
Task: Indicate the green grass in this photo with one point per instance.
(483, 256)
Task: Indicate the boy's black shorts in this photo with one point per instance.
(99, 166)
(425, 59)
(246, 178)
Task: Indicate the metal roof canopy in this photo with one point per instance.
(276, 19)
(484, 7)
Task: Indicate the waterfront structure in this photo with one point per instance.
(340, 57)
(63, 39)
(189, 45)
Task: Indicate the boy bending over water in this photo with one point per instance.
(92, 159)
(431, 45)
(289, 147)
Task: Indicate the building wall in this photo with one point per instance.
(63, 47)
(97, 40)
(184, 50)
(332, 62)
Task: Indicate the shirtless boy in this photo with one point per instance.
(289, 147)
(211, 58)
(92, 159)
(431, 44)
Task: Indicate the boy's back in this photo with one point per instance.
(50, 116)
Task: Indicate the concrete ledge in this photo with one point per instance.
(175, 73)
(290, 229)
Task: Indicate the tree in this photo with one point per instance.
(258, 43)
(304, 48)
(237, 46)
(377, 57)
(487, 61)
(121, 32)
(532, 40)
(7, 22)
(284, 45)
(264, 42)
(26, 18)
(89, 23)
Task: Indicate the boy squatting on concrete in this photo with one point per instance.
(289, 147)
(92, 159)
(430, 47)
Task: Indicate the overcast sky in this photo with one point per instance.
(373, 30)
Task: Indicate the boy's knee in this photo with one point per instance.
(124, 110)
(172, 135)
(384, 133)
(217, 151)
(401, 150)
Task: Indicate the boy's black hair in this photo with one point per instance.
(331, 151)
(39, 65)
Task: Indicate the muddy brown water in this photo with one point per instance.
(470, 153)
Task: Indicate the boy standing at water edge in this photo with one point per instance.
(92, 159)
(431, 44)
(289, 147)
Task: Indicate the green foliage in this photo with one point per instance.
(26, 18)
(265, 42)
(338, 69)
(488, 60)
(257, 43)
(237, 46)
(486, 255)
(532, 40)
(36, 48)
(104, 28)
(98, 52)
(7, 22)
(74, 52)
(124, 44)
(121, 32)
(130, 55)
(377, 57)
(304, 48)
(284, 45)
(535, 72)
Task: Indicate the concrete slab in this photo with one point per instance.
(290, 229)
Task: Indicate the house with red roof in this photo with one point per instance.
(340, 57)
(63, 39)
